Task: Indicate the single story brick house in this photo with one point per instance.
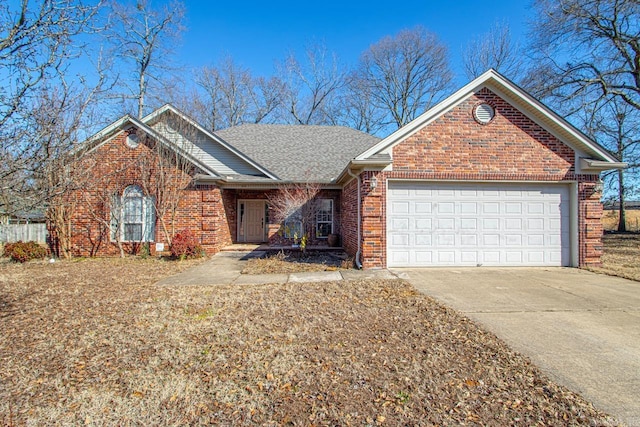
(488, 177)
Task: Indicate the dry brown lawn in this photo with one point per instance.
(621, 255)
(610, 220)
(96, 342)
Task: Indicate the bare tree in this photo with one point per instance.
(234, 96)
(311, 86)
(616, 125)
(586, 66)
(404, 75)
(145, 37)
(295, 204)
(42, 109)
(496, 50)
(588, 46)
(359, 110)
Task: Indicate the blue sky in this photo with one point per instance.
(259, 33)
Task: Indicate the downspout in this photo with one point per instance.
(357, 177)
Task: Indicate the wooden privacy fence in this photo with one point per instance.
(24, 232)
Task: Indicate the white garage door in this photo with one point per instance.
(433, 224)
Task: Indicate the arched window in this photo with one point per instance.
(133, 216)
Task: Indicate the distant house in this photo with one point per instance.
(489, 176)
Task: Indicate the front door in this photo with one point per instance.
(252, 221)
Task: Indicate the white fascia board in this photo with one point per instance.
(213, 136)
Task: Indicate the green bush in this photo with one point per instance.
(24, 251)
(185, 245)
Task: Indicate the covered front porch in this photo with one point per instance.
(253, 221)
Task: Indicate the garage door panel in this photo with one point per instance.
(468, 208)
(445, 224)
(469, 240)
(477, 224)
(490, 208)
(445, 207)
(424, 224)
(423, 207)
(513, 224)
(535, 257)
(423, 240)
(469, 257)
(424, 257)
(445, 240)
(513, 208)
(400, 207)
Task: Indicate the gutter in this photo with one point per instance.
(357, 177)
(597, 166)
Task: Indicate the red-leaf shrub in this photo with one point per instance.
(185, 245)
(24, 251)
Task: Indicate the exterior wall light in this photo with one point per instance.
(373, 182)
(599, 187)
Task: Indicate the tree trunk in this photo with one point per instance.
(141, 93)
(622, 218)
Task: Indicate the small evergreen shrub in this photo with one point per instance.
(24, 251)
(185, 245)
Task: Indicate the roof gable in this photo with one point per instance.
(174, 129)
(127, 122)
(210, 149)
(520, 99)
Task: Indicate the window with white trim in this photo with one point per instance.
(133, 216)
(324, 218)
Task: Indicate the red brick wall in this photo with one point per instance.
(111, 168)
(456, 147)
(511, 144)
(589, 224)
(349, 217)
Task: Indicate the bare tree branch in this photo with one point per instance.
(404, 75)
(311, 87)
(496, 50)
(145, 37)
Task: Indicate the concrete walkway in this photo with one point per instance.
(582, 329)
(225, 268)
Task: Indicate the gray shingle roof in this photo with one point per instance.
(297, 152)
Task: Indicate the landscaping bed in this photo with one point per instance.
(298, 262)
(96, 342)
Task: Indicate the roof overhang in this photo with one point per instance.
(249, 183)
(356, 167)
(597, 166)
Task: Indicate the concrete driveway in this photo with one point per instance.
(582, 329)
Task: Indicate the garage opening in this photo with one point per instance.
(477, 224)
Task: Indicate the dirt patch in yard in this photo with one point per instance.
(621, 255)
(96, 342)
(298, 262)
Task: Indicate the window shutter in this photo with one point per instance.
(116, 210)
(150, 219)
